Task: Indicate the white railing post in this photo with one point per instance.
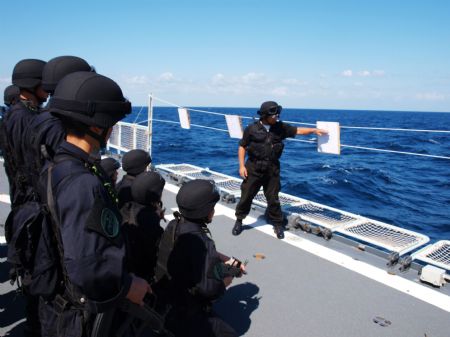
(150, 123)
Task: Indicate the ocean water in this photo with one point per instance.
(406, 191)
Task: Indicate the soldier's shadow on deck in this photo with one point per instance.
(237, 305)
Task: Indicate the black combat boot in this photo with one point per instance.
(279, 231)
(237, 229)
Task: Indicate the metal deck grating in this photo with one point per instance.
(206, 175)
(386, 236)
(437, 254)
(321, 216)
(359, 228)
(285, 199)
(182, 168)
(230, 186)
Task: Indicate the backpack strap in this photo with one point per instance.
(71, 296)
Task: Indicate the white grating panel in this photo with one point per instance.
(319, 215)
(127, 136)
(370, 231)
(141, 138)
(383, 235)
(179, 168)
(208, 175)
(285, 199)
(437, 254)
(230, 186)
(114, 138)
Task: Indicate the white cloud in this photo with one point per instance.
(430, 96)
(218, 79)
(166, 77)
(378, 73)
(139, 80)
(254, 78)
(364, 73)
(280, 91)
(293, 81)
(347, 73)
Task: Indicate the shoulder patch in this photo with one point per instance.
(110, 223)
(105, 220)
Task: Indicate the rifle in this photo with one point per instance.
(139, 318)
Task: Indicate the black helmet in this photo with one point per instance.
(147, 188)
(269, 108)
(135, 161)
(27, 74)
(109, 165)
(90, 99)
(197, 198)
(60, 66)
(11, 95)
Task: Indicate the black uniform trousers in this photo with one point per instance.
(265, 174)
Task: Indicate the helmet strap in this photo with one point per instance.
(101, 138)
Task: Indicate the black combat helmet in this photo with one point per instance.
(269, 108)
(197, 198)
(11, 95)
(27, 74)
(110, 165)
(60, 66)
(135, 161)
(90, 99)
(147, 188)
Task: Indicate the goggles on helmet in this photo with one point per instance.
(272, 111)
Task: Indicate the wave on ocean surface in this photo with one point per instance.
(406, 191)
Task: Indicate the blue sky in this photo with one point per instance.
(341, 54)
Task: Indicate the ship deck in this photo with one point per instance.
(304, 285)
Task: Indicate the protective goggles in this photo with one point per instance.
(274, 110)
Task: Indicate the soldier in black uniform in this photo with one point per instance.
(45, 129)
(110, 166)
(134, 162)
(86, 219)
(263, 142)
(141, 223)
(189, 262)
(11, 95)
(27, 76)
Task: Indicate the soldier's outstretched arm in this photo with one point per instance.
(308, 131)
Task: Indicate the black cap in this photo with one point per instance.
(270, 108)
(110, 165)
(60, 66)
(135, 161)
(11, 95)
(89, 98)
(197, 198)
(147, 188)
(27, 74)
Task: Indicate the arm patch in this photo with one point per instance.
(105, 220)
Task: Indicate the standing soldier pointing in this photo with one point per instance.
(263, 142)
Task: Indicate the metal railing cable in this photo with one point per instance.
(309, 124)
(196, 125)
(139, 113)
(312, 141)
